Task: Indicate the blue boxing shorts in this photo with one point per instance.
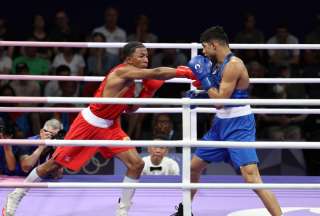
(240, 128)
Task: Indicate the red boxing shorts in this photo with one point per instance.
(74, 157)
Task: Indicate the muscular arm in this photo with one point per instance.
(162, 73)
(126, 75)
(10, 159)
(28, 161)
(229, 81)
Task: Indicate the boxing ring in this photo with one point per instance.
(218, 195)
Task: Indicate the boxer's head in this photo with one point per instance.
(136, 54)
(212, 40)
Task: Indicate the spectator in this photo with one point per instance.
(250, 34)
(68, 89)
(312, 59)
(314, 36)
(311, 70)
(312, 132)
(142, 33)
(53, 87)
(163, 124)
(5, 64)
(170, 58)
(15, 118)
(157, 163)
(99, 61)
(283, 57)
(31, 156)
(27, 88)
(73, 60)
(36, 65)
(62, 30)
(111, 30)
(39, 33)
(261, 90)
(5, 34)
(7, 158)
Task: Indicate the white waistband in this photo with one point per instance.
(95, 120)
(232, 112)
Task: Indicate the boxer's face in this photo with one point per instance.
(209, 49)
(139, 58)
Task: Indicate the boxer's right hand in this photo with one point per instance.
(185, 72)
(196, 84)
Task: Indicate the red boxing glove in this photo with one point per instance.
(150, 87)
(185, 72)
(196, 84)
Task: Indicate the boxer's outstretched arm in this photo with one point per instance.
(162, 73)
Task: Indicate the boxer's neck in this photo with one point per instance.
(222, 53)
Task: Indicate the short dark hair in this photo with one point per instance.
(21, 66)
(7, 87)
(159, 136)
(62, 68)
(98, 34)
(282, 25)
(130, 47)
(214, 33)
(6, 127)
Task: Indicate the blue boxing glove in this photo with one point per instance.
(196, 94)
(201, 67)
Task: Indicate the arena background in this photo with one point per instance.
(178, 21)
(170, 20)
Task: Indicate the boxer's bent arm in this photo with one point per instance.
(228, 83)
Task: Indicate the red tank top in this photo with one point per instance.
(110, 111)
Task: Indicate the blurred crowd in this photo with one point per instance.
(98, 61)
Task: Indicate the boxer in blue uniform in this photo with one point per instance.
(227, 77)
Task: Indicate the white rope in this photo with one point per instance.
(74, 78)
(170, 143)
(159, 185)
(47, 77)
(284, 80)
(159, 110)
(41, 109)
(155, 45)
(174, 80)
(161, 101)
(263, 111)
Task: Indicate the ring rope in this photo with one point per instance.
(160, 185)
(176, 143)
(155, 45)
(161, 101)
(174, 80)
(186, 185)
(160, 110)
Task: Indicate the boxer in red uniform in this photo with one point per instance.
(101, 122)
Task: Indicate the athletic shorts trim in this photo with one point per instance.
(95, 120)
(233, 112)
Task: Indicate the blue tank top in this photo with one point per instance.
(217, 74)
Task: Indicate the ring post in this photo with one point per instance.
(186, 156)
